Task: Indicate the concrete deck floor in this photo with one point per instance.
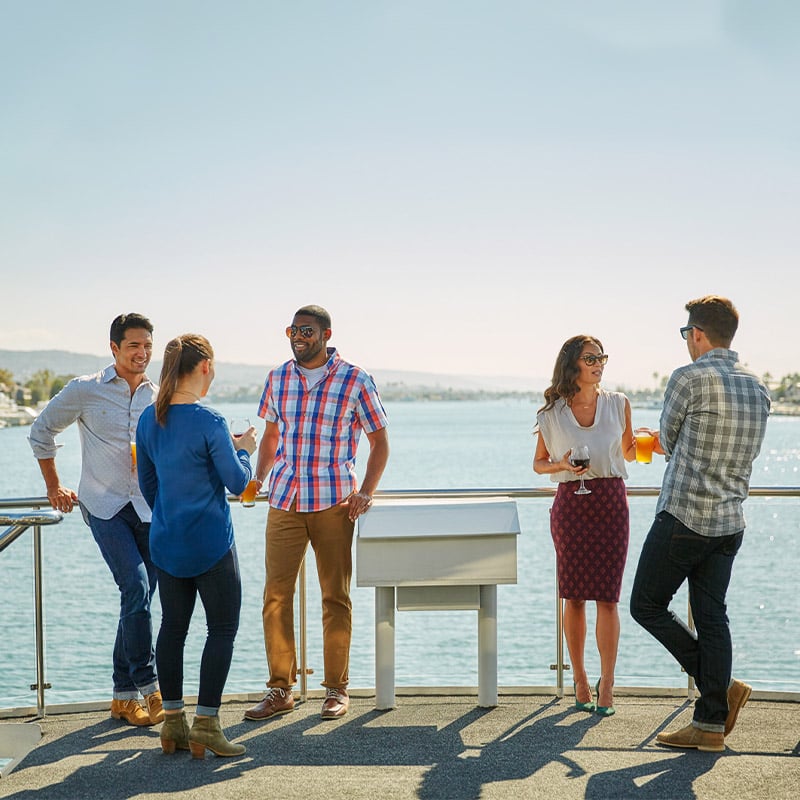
(431, 748)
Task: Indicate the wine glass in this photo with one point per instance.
(579, 457)
(240, 426)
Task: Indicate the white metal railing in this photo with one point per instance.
(18, 524)
(40, 514)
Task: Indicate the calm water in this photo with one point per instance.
(434, 445)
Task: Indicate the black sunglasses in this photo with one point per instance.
(686, 328)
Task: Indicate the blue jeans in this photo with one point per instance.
(220, 590)
(671, 554)
(124, 542)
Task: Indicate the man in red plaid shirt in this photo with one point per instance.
(315, 407)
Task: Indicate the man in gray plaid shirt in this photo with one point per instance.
(712, 426)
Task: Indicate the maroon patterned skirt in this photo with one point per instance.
(590, 534)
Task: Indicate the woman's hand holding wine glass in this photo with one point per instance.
(579, 457)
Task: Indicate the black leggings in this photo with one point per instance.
(220, 591)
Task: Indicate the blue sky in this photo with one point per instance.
(463, 184)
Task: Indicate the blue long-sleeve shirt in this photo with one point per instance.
(184, 469)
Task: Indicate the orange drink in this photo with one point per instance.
(133, 455)
(644, 445)
(249, 494)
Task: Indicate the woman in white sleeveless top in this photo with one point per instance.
(590, 531)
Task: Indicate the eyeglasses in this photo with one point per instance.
(686, 328)
(306, 331)
(590, 360)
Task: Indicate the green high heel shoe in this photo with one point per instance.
(590, 706)
(603, 711)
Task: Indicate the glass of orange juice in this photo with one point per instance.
(644, 445)
(133, 454)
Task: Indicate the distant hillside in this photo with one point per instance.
(23, 363)
(249, 378)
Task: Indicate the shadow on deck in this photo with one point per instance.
(431, 748)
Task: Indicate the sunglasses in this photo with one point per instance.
(590, 360)
(686, 328)
(306, 331)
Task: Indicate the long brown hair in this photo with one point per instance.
(565, 372)
(181, 355)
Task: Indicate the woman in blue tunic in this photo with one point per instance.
(185, 459)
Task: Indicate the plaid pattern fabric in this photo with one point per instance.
(319, 429)
(712, 426)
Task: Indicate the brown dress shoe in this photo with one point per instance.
(738, 695)
(694, 738)
(154, 708)
(275, 702)
(130, 711)
(336, 704)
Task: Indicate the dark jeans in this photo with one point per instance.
(220, 591)
(124, 544)
(670, 555)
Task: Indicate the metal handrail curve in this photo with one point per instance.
(19, 523)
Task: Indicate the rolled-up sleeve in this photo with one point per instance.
(56, 416)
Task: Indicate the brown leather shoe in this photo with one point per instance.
(275, 702)
(130, 711)
(154, 708)
(336, 704)
(738, 695)
(694, 738)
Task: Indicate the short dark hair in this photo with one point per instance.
(125, 321)
(717, 316)
(318, 312)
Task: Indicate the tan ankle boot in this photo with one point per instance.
(207, 733)
(154, 708)
(175, 733)
(130, 711)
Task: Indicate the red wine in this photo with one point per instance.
(579, 462)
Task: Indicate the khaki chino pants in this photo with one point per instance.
(330, 533)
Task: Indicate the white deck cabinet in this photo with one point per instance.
(437, 554)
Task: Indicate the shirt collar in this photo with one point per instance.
(330, 364)
(110, 373)
(719, 352)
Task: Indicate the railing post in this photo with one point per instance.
(38, 594)
(559, 666)
(690, 623)
(303, 633)
(559, 642)
(19, 524)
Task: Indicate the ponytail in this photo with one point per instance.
(181, 355)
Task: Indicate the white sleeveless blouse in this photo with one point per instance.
(561, 430)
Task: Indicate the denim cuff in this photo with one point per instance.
(207, 711)
(172, 705)
(710, 727)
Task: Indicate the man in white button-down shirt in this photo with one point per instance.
(106, 407)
